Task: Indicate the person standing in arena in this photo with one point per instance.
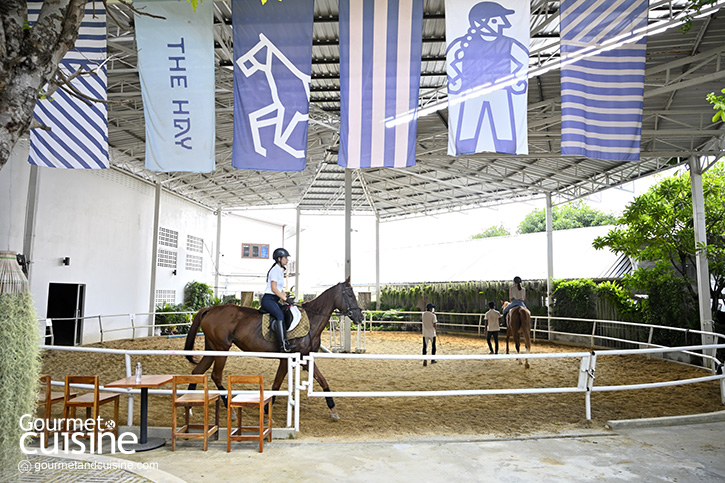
(492, 326)
(430, 323)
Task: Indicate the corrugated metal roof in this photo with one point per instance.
(681, 70)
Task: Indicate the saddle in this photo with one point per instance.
(296, 323)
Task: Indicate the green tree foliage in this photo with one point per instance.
(658, 227)
(718, 103)
(572, 215)
(492, 231)
(198, 295)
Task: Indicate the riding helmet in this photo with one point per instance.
(279, 253)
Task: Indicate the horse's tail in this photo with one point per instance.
(191, 336)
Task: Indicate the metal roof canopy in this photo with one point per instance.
(680, 71)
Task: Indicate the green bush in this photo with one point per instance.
(198, 295)
(19, 370)
(576, 299)
(179, 321)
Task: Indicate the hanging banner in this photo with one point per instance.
(78, 135)
(176, 68)
(381, 45)
(487, 61)
(602, 95)
(272, 69)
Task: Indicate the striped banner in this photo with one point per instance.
(381, 45)
(487, 63)
(602, 81)
(78, 136)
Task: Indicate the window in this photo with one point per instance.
(165, 297)
(169, 238)
(194, 244)
(194, 263)
(166, 259)
(251, 250)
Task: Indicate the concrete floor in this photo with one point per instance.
(682, 453)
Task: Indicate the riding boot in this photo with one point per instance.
(278, 328)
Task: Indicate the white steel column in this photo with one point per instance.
(549, 252)
(703, 269)
(31, 211)
(218, 250)
(345, 338)
(377, 261)
(154, 255)
(298, 292)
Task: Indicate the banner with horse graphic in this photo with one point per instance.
(176, 68)
(272, 70)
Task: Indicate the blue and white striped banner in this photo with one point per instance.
(602, 88)
(487, 62)
(176, 68)
(78, 136)
(380, 51)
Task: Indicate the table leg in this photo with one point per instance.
(145, 443)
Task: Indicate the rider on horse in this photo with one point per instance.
(517, 295)
(274, 293)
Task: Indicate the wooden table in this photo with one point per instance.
(147, 380)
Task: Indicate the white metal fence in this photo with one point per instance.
(542, 326)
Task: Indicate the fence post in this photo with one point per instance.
(594, 331)
(133, 325)
(100, 327)
(129, 418)
(480, 317)
(590, 384)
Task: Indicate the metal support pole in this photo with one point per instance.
(31, 211)
(703, 270)
(345, 321)
(377, 262)
(549, 257)
(218, 251)
(154, 253)
(298, 292)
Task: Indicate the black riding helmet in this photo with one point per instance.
(279, 253)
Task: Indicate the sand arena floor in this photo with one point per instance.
(411, 417)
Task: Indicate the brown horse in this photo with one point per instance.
(225, 325)
(518, 320)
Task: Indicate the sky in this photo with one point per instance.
(322, 241)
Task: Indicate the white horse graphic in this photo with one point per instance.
(249, 65)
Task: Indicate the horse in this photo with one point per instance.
(518, 320)
(224, 325)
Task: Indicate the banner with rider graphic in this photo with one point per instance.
(487, 62)
(272, 69)
(176, 68)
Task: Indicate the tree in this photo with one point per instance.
(658, 227)
(492, 231)
(572, 215)
(29, 58)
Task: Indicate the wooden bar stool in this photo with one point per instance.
(187, 401)
(92, 401)
(251, 400)
(46, 397)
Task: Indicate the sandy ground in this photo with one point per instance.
(411, 417)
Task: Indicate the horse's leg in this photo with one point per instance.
(527, 339)
(508, 334)
(325, 387)
(517, 341)
(203, 366)
(216, 376)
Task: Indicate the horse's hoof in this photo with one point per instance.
(335, 416)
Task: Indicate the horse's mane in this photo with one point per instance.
(315, 301)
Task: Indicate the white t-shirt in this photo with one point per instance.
(492, 317)
(275, 275)
(516, 294)
(429, 319)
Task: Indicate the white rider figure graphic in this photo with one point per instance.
(485, 56)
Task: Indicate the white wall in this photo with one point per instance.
(103, 221)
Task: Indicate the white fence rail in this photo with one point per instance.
(541, 326)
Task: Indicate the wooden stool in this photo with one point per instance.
(187, 401)
(253, 400)
(92, 401)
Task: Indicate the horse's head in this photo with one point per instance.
(348, 303)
